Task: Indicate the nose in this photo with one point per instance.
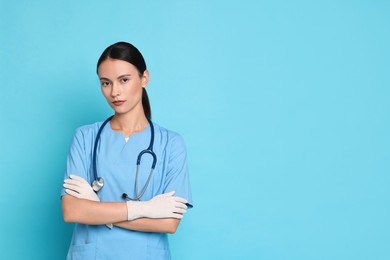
(115, 91)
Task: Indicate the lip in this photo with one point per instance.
(118, 102)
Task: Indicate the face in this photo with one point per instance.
(121, 85)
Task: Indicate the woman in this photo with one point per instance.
(142, 204)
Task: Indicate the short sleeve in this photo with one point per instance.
(177, 178)
(76, 162)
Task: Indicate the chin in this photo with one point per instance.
(121, 111)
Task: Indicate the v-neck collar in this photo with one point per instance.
(122, 136)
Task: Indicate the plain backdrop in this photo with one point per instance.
(283, 106)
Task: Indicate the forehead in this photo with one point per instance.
(113, 68)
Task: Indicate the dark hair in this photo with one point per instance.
(128, 52)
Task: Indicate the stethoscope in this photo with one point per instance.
(98, 182)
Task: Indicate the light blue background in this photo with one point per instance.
(284, 107)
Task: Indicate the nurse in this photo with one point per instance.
(109, 226)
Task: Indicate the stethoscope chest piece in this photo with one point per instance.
(98, 184)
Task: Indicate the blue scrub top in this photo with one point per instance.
(116, 163)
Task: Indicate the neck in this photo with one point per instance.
(131, 122)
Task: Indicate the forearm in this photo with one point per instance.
(92, 212)
(162, 225)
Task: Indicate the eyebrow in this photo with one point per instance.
(102, 78)
(121, 76)
(124, 75)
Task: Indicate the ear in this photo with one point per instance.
(145, 79)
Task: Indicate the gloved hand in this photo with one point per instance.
(162, 206)
(80, 188)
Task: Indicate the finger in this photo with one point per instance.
(72, 193)
(78, 178)
(178, 199)
(175, 215)
(181, 205)
(69, 185)
(74, 177)
(181, 211)
(72, 187)
(77, 183)
(72, 182)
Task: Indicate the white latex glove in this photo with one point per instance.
(162, 206)
(80, 188)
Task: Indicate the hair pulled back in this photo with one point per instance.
(128, 52)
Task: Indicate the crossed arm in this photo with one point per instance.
(83, 206)
(99, 213)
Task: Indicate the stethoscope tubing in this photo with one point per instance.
(94, 168)
(99, 180)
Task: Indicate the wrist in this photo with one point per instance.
(134, 210)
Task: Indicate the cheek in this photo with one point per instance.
(105, 92)
(135, 91)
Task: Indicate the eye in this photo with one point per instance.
(124, 80)
(104, 83)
